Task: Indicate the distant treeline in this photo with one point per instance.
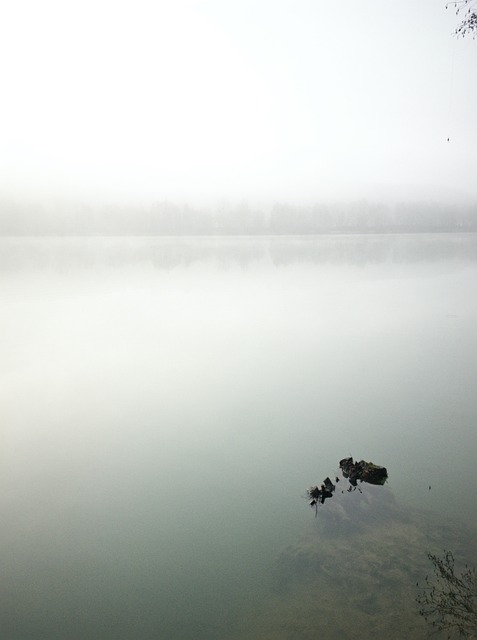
(165, 218)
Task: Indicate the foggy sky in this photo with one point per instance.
(257, 99)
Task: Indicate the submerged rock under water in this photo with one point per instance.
(349, 515)
(354, 572)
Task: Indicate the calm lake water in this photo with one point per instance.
(165, 404)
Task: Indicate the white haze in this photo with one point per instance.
(198, 101)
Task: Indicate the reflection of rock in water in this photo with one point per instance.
(355, 572)
(349, 514)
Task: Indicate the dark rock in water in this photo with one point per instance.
(353, 471)
(354, 570)
(363, 471)
(319, 495)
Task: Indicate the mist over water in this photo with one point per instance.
(165, 403)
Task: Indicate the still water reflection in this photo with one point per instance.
(166, 403)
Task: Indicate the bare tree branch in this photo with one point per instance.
(449, 601)
(467, 10)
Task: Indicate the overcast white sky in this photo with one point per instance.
(263, 100)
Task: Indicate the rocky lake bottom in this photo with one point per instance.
(355, 572)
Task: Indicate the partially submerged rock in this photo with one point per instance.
(319, 495)
(353, 471)
(363, 471)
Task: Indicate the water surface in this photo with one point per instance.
(166, 402)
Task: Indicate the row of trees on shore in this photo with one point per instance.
(166, 218)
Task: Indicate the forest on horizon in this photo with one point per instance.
(169, 219)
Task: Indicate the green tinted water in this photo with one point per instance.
(165, 404)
